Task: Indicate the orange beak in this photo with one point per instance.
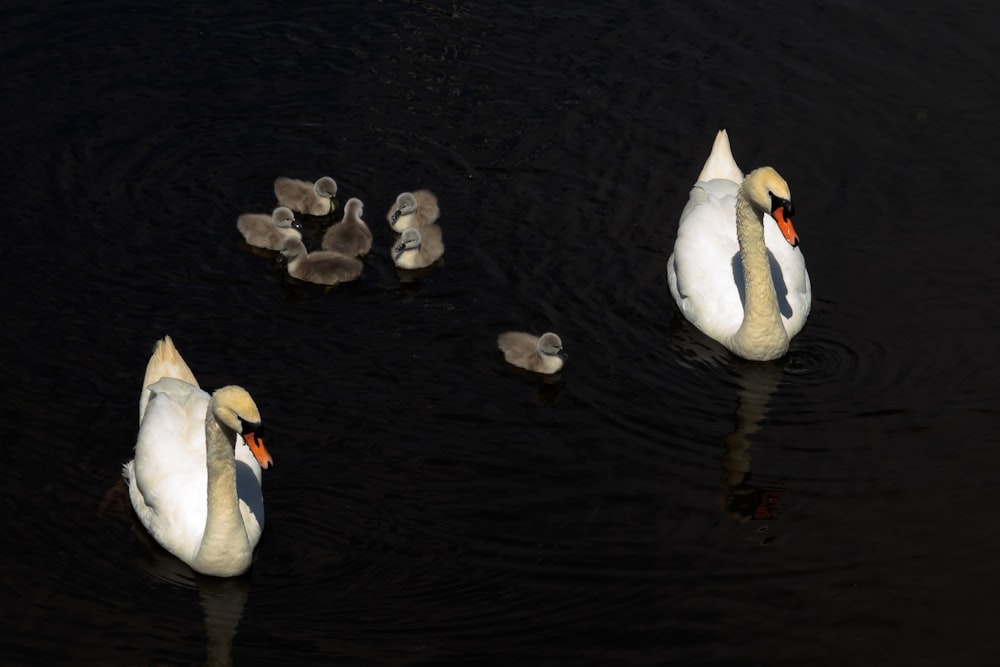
(785, 225)
(258, 450)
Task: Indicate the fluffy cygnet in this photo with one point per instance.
(305, 197)
(269, 231)
(418, 248)
(539, 354)
(351, 235)
(413, 209)
(321, 267)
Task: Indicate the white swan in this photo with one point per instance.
(539, 354)
(417, 248)
(736, 272)
(195, 479)
(305, 197)
(413, 209)
(268, 231)
(351, 235)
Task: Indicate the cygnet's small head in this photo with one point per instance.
(406, 204)
(768, 191)
(292, 248)
(409, 240)
(549, 344)
(354, 206)
(325, 187)
(283, 218)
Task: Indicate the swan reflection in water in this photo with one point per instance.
(740, 497)
(223, 599)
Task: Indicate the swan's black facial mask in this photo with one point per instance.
(779, 202)
(782, 211)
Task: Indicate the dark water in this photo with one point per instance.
(661, 503)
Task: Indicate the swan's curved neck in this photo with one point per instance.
(225, 540)
(762, 334)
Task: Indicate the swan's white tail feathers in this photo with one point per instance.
(165, 362)
(720, 162)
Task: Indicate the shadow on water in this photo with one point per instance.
(547, 387)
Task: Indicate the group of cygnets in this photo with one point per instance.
(413, 216)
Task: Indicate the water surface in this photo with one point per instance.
(660, 502)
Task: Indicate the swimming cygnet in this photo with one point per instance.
(268, 231)
(413, 209)
(351, 235)
(539, 354)
(321, 267)
(418, 248)
(305, 197)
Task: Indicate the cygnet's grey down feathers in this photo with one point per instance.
(539, 354)
(417, 248)
(321, 267)
(269, 231)
(351, 235)
(305, 197)
(413, 209)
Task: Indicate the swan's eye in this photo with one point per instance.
(779, 202)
